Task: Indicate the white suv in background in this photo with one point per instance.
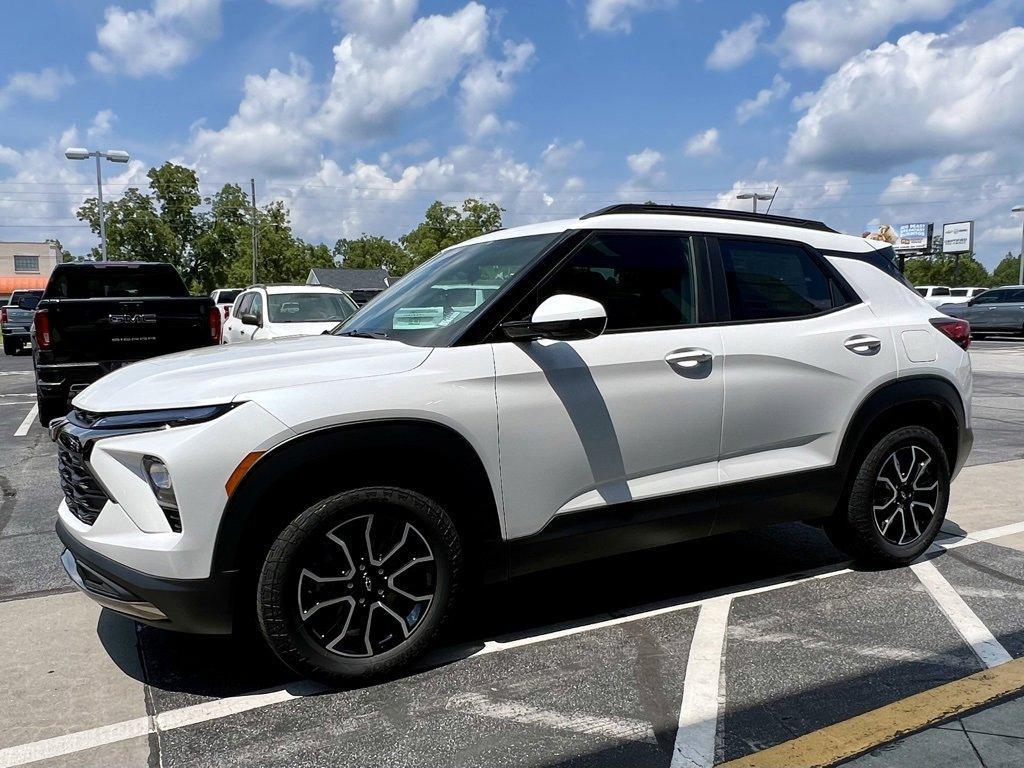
(272, 311)
(655, 374)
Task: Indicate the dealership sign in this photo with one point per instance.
(914, 237)
(958, 237)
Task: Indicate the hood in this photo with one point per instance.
(213, 375)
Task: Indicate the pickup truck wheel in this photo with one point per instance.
(51, 408)
(359, 584)
(897, 501)
(11, 348)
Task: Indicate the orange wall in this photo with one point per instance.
(8, 284)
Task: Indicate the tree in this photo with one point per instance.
(946, 269)
(444, 226)
(372, 252)
(1007, 271)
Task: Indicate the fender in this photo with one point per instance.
(421, 454)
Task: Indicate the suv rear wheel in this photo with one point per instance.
(359, 584)
(897, 501)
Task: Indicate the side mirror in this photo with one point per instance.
(562, 317)
(248, 318)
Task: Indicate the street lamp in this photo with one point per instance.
(754, 197)
(1020, 266)
(114, 156)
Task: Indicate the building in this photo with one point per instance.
(361, 284)
(25, 265)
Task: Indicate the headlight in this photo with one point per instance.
(167, 417)
(159, 478)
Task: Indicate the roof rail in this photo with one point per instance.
(710, 213)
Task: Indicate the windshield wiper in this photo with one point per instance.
(365, 334)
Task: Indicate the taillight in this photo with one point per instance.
(41, 322)
(3, 314)
(959, 331)
(227, 312)
(214, 325)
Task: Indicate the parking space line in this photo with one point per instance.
(698, 714)
(22, 430)
(613, 728)
(212, 710)
(849, 738)
(960, 615)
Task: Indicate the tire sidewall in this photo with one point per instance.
(861, 518)
(277, 612)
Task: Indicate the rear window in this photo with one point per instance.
(309, 308)
(228, 297)
(26, 299)
(115, 281)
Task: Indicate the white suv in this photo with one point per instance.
(636, 377)
(272, 311)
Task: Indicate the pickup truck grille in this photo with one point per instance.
(84, 495)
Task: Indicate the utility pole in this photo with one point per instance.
(255, 231)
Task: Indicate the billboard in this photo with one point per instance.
(958, 237)
(912, 238)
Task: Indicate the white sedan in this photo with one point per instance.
(273, 311)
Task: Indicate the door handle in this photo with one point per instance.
(688, 358)
(863, 344)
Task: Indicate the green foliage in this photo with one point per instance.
(945, 269)
(372, 252)
(1007, 271)
(444, 226)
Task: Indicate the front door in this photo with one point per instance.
(585, 427)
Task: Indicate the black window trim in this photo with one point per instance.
(724, 315)
(487, 330)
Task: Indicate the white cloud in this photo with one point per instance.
(383, 20)
(703, 144)
(489, 84)
(156, 41)
(737, 46)
(375, 83)
(558, 156)
(617, 15)
(925, 96)
(643, 162)
(101, 124)
(823, 33)
(750, 108)
(44, 85)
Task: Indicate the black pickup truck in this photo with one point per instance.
(95, 317)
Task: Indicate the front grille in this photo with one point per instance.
(84, 495)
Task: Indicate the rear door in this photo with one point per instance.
(1008, 314)
(233, 326)
(634, 415)
(801, 353)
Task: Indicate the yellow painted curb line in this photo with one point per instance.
(863, 733)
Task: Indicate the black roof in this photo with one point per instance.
(350, 279)
(709, 213)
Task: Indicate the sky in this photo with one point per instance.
(360, 113)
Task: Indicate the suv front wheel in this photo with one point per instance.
(359, 584)
(897, 501)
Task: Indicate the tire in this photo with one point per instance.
(51, 408)
(10, 348)
(336, 613)
(886, 520)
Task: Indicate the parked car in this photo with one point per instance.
(224, 298)
(998, 310)
(642, 375)
(963, 295)
(934, 294)
(272, 311)
(16, 320)
(95, 317)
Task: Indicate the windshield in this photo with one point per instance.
(432, 304)
(309, 307)
(227, 297)
(115, 281)
(922, 291)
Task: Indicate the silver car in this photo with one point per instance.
(1000, 310)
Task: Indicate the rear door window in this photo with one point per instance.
(770, 281)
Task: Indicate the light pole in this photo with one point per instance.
(1020, 265)
(114, 156)
(754, 197)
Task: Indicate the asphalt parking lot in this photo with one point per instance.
(706, 652)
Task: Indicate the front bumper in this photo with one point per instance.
(203, 606)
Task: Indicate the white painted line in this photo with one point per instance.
(613, 728)
(212, 710)
(960, 615)
(698, 714)
(23, 429)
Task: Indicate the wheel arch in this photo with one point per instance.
(420, 455)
